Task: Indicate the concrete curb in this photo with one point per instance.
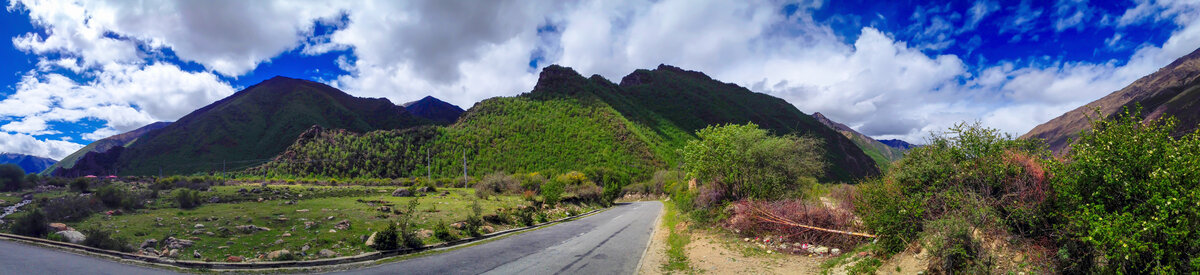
(360, 258)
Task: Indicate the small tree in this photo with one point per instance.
(11, 177)
(406, 233)
(474, 220)
(552, 191)
(749, 162)
(79, 185)
(386, 239)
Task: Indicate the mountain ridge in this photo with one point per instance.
(30, 163)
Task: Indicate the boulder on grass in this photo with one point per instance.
(371, 240)
(72, 236)
(58, 226)
(278, 254)
(402, 192)
(326, 253)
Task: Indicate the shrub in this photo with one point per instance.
(532, 181)
(11, 177)
(187, 198)
(103, 239)
(1130, 193)
(112, 195)
(474, 220)
(70, 208)
(611, 181)
(747, 162)
(32, 224)
(586, 192)
(442, 232)
(80, 185)
(497, 183)
(387, 239)
(552, 191)
(407, 235)
(1001, 174)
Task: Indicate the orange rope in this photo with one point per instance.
(768, 217)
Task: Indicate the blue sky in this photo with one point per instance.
(76, 72)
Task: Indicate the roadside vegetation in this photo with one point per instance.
(214, 218)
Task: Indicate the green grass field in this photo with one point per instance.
(297, 215)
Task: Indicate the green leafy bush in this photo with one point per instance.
(103, 239)
(1131, 192)
(442, 232)
(407, 235)
(497, 183)
(748, 162)
(977, 174)
(32, 224)
(552, 191)
(70, 208)
(474, 220)
(80, 185)
(187, 198)
(387, 239)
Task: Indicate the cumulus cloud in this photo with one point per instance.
(26, 144)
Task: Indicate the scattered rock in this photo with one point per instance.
(384, 209)
(286, 235)
(196, 254)
(309, 224)
(302, 210)
(172, 253)
(173, 243)
(330, 218)
(835, 252)
(279, 241)
(57, 226)
(458, 225)
(148, 243)
(326, 253)
(487, 229)
(72, 236)
(305, 248)
(342, 225)
(402, 192)
(199, 226)
(278, 253)
(234, 259)
(250, 228)
(371, 240)
(214, 199)
(332, 231)
(260, 199)
(197, 231)
(818, 249)
(424, 233)
(223, 247)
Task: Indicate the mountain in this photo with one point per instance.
(569, 122)
(103, 145)
(898, 144)
(434, 109)
(31, 164)
(883, 154)
(1173, 90)
(247, 128)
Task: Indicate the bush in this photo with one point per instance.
(969, 169)
(80, 185)
(497, 183)
(552, 191)
(70, 208)
(747, 162)
(407, 235)
(531, 181)
(387, 239)
(474, 220)
(32, 224)
(103, 239)
(1130, 194)
(187, 198)
(11, 177)
(611, 181)
(442, 232)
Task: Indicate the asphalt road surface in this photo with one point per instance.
(610, 242)
(19, 258)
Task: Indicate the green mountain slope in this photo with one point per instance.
(253, 125)
(883, 154)
(103, 145)
(567, 122)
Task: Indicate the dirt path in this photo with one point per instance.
(714, 253)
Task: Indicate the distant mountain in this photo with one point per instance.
(31, 164)
(1173, 90)
(883, 154)
(103, 145)
(247, 128)
(898, 144)
(434, 109)
(569, 122)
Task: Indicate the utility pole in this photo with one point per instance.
(465, 180)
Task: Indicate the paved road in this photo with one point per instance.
(611, 242)
(19, 258)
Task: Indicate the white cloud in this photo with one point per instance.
(1072, 14)
(977, 12)
(26, 144)
(30, 125)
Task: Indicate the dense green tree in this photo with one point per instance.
(11, 176)
(746, 161)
